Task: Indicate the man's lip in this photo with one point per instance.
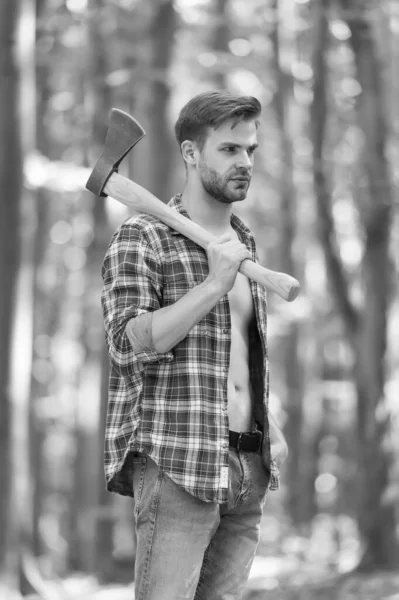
(241, 178)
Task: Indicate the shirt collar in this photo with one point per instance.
(235, 221)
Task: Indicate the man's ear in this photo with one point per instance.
(189, 152)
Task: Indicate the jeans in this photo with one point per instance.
(188, 549)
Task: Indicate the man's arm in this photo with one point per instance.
(170, 324)
(132, 274)
(162, 329)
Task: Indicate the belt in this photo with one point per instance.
(247, 442)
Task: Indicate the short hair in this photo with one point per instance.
(211, 109)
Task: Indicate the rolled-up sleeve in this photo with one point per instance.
(132, 275)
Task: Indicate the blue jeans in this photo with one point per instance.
(192, 550)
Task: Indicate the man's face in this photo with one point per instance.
(226, 161)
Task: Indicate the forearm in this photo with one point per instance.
(171, 324)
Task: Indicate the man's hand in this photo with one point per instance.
(278, 444)
(225, 256)
(279, 452)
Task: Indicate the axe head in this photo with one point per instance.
(123, 133)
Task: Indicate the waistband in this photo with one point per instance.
(246, 441)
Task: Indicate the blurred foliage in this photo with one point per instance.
(149, 58)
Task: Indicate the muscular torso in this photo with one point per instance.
(240, 401)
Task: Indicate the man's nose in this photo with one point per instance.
(244, 161)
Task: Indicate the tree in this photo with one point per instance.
(10, 189)
(99, 96)
(292, 372)
(17, 131)
(219, 40)
(45, 311)
(365, 327)
(162, 30)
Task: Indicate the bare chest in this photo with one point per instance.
(241, 303)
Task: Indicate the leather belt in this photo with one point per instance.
(247, 442)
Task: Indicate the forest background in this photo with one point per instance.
(324, 207)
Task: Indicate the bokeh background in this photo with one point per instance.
(324, 207)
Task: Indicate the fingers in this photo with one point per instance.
(232, 248)
(225, 256)
(238, 250)
(241, 254)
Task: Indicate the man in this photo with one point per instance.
(189, 433)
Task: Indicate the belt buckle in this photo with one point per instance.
(239, 441)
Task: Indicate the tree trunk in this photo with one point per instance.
(43, 311)
(24, 309)
(88, 497)
(292, 371)
(160, 140)
(377, 518)
(319, 112)
(10, 253)
(17, 94)
(95, 550)
(366, 330)
(219, 41)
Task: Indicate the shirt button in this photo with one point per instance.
(225, 331)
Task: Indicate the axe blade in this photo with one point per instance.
(123, 133)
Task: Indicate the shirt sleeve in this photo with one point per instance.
(132, 275)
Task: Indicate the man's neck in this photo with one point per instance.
(212, 215)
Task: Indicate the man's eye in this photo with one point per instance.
(229, 149)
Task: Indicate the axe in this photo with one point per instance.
(123, 133)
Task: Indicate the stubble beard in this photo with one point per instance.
(217, 185)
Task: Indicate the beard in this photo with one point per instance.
(222, 187)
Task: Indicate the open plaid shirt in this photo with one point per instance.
(173, 406)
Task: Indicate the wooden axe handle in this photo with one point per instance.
(133, 195)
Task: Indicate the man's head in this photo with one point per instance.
(216, 132)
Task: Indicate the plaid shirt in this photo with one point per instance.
(172, 406)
